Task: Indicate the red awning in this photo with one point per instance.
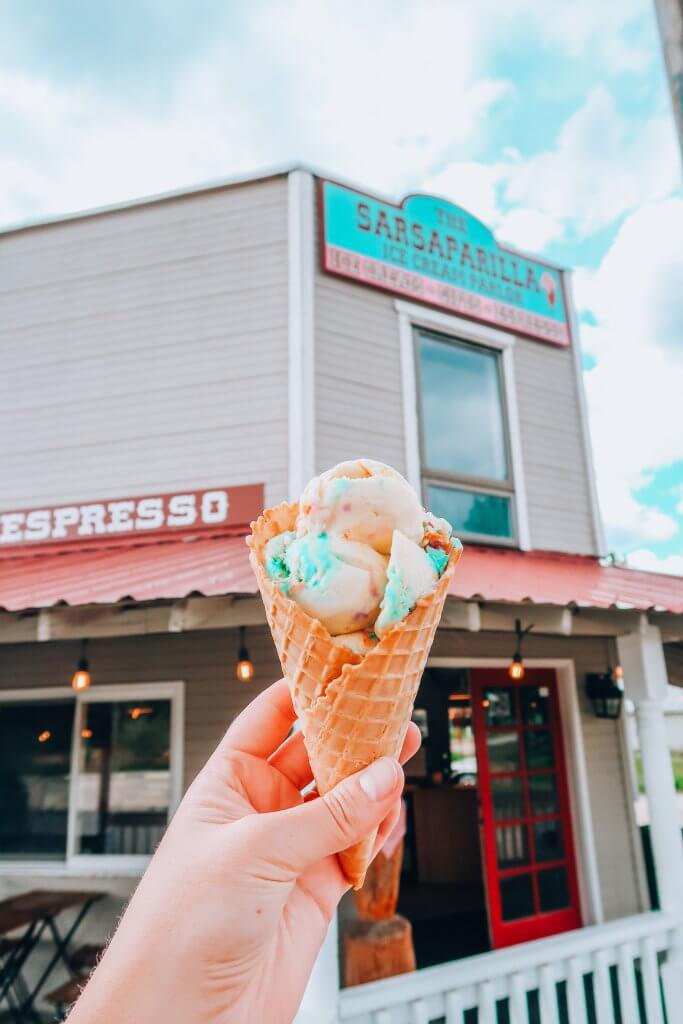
(143, 572)
(220, 565)
(498, 574)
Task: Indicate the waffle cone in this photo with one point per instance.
(352, 708)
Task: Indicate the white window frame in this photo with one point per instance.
(121, 865)
(411, 316)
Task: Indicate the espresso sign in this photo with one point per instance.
(157, 514)
(432, 251)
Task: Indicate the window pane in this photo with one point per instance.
(517, 897)
(499, 702)
(507, 797)
(512, 850)
(124, 780)
(461, 386)
(548, 840)
(543, 794)
(471, 512)
(35, 754)
(539, 749)
(535, 704)
(553, 889)
(503, 751)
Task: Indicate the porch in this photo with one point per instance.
(601, 974)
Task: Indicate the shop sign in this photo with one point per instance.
(157, 514)
(432, 251)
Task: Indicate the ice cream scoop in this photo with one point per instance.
(364, 501)
(335, 564)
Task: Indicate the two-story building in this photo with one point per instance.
(169, 366)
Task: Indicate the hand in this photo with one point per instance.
(231, 912)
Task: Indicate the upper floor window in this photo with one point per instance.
(465, 452)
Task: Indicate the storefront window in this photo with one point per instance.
(123, 788)
(467, 472)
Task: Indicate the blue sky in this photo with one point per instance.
(550, 122)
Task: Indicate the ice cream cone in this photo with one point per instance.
(352, 708)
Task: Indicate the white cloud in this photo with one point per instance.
(647, 560)
(472, 185)
(336, 85)
(528, 229)
(634, 391)
(602, 166)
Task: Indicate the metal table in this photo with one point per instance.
(33, 913)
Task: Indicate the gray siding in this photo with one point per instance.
(146, 349)
(557, 487)
(359, 408)
(617, 844)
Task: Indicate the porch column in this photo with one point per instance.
(645, 682)
(320, 1004)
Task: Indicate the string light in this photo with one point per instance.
(81, 677)
(244, 670)
(516, 670)
(44, 736)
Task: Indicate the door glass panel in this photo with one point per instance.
(507, 798)
(548, 840)
(35, 760)
(535, 702)
(124, 782)
(538, 746)
(499, 704)
(553, 889)
(516, 897)
(503, 751)
(512, 846)
(543, 794)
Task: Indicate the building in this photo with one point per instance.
(170, 365)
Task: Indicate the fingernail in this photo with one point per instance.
(379, 779)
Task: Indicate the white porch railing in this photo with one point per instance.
(603, 974)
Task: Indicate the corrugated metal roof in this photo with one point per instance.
(220, 565)
(497, 574)
(144, 572)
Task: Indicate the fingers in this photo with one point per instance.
(387, 827)
(263, 724)
(411, 743)
(304, 835)
(291, 760)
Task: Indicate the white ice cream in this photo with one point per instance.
(363, 553)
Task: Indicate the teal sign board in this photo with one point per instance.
(429, 250)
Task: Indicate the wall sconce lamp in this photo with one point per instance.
(604, 694)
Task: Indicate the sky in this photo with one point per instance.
(551, 123)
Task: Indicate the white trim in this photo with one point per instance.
(630, 781)
(422, 316)
(516, 457)
(411, 426)
(410, 316)
(575, 345)
(301, 383)
(590, 893)
(88, 865)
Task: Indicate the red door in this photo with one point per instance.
(526, 823)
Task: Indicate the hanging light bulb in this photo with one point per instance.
(516, 670)
(618, 674)
(44, 736)
(244, 670)
(81, 677)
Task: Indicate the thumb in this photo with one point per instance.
(348, 813)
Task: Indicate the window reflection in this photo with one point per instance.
(124, 778)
